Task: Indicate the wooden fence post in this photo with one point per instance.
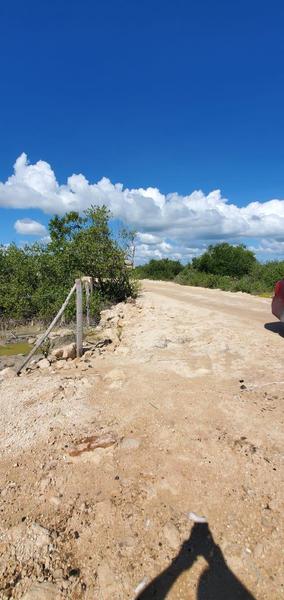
(79, 318)
(87, 290)
(47, 332)
(88, 286)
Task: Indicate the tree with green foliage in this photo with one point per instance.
(225, 259)
(35, 280)
(164, 269)
(128, 239)
(18, 281)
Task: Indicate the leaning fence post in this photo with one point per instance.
(79, 318)
(47, 332)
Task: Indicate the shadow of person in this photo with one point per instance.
(217, 581)
(275, 327)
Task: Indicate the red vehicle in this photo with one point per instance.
(278, 300)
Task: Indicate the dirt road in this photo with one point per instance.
(241, 306)
(106, 463)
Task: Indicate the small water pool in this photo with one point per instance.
(14, 349)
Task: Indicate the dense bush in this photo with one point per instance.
(247, 283)
(35, 280)
(190, 276)
(225, 259)
(164, 269)
(269, 273)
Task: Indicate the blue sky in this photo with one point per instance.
(180, 96)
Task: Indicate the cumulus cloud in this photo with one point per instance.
(159, 218)
(148, 238)
(29, 227)
(160, 250)
(270, 246)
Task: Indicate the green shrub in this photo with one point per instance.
(260, 280)
(190, 276)
(164, 269)
(225, 259)
(35, 280)
(247, 284)
(270, 272)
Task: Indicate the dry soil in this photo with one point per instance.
(104, 462)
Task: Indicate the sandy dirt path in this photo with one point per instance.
(102, 463)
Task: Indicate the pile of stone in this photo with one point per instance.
(105, 337)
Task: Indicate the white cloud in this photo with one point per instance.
(148, 238)
(145, 252)
(270, 246)
(29, 227)
(159, 218)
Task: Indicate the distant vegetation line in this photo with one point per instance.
(222, 266)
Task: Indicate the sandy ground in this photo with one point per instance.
(102, 466)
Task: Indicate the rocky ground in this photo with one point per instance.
(107, 462)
